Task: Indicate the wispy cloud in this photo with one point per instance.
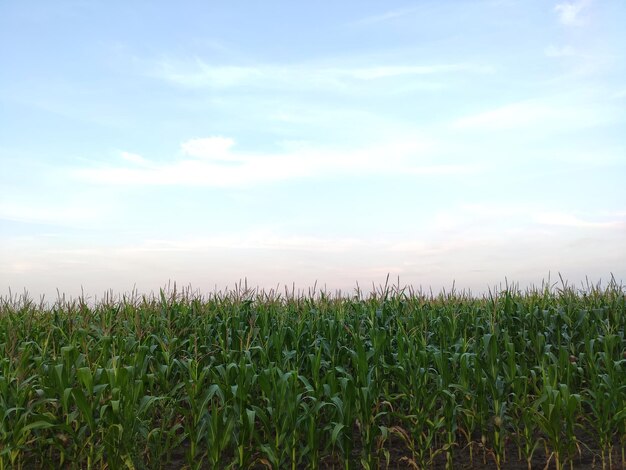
(77, 213)
(559, 51)
(506, 117)
(134, 158)
(486, 221)
(569, 12)
(528, 214)
(211, 148)
(256, 240)
(213, 162)
(536, 114)
(561, 219)
(383, 17)
(199, 74)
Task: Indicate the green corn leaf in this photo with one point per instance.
(250, 413)
(37, 425)
(335, 433)
(83, 406)
(86, 377)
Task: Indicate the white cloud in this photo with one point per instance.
(199, 74)
(49, 213)
(487, 222)
(257, 240)
(383, 17)
(372, 73)
(210, 148)
(528, 215)
(508, 117)
(559, 51)
(215, 164)
(535, 114)
(561, 219)
(134, 158)
(569, 12)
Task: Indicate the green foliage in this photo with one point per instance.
(249, 379)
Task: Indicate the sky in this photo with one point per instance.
(293, 143)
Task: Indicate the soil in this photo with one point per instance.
(588, 457)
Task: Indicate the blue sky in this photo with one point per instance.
(295, 142)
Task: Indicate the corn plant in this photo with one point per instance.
(247, 378)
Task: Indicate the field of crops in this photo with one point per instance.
(249, 379)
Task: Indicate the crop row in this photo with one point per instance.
(249, 379)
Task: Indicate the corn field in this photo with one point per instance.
(256, 379)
